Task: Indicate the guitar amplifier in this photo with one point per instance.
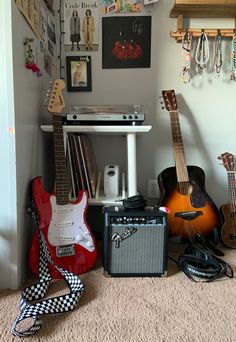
(134, 242)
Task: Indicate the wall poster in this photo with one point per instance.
(121, 6)
(81, 25)
(126, 42)
(31, 11)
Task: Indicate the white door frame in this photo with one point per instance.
(9, 254)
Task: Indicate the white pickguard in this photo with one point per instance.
(67, 225)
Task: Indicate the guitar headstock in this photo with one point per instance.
(56, 102)
(228, 161)
(170, 100)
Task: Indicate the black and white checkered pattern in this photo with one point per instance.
(37, 291)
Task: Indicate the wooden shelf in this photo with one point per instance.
(204, 9)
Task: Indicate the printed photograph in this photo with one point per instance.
(81, 28)
(78, 73)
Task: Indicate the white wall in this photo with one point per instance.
(21, 159)
(207, 116)
(207, 106)
(8, 213)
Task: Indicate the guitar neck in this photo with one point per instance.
(62, 185)
(181, 168)
(231, 187)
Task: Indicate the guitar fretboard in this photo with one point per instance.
(181, 168)
(231, 187)
(62, 185)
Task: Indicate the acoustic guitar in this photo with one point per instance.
(228, 211)
(192, 211)
(62, 222)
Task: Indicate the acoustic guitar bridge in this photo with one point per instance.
(188, 215)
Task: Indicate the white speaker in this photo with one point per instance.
(111, 180)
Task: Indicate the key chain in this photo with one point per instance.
(185, 74)
(202, 53)
(233, 59)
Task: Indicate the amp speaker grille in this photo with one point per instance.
(141, 252)
(135, 242)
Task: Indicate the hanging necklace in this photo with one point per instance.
(185, 74)
(218, 55)
(202, 52)
(233, 59)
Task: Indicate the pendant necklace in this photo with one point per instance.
(185, 74)
(202, 53)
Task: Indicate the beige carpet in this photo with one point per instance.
(169, 309)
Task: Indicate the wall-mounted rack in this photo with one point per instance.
(203, 9)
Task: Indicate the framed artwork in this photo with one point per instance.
(78, 69)
(126, 42)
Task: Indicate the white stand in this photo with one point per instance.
(130, 132)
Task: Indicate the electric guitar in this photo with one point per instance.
(228, 211)
(192, 212)
(62, 222)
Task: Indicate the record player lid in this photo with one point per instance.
(105, 109)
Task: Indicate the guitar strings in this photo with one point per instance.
(182, 174)
(232, 197)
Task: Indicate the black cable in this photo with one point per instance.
(199, 265)
(134, 202)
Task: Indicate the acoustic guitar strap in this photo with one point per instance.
(32, 311)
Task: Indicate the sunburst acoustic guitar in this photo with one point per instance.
(192, 211)
(62, 222)
(228, 210)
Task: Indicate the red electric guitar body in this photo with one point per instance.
(62, 222)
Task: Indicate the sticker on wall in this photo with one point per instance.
(81, 27)
(126, 42)
(121, 6)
